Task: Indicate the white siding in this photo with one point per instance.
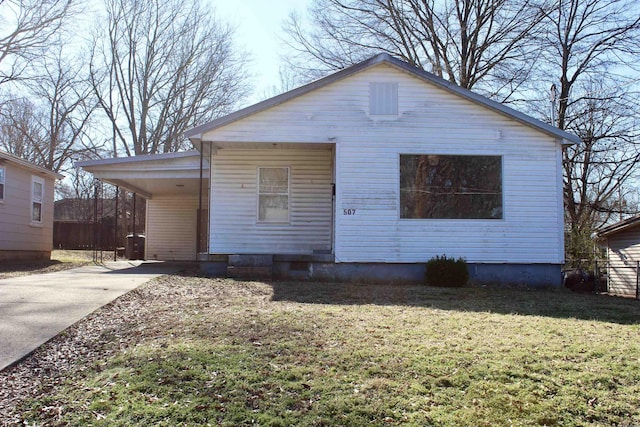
(17, 232)
(171, 228)
(623, 253)
(430, 120)
(234, 226)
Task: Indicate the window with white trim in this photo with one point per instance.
(273, 194)
(37, 197)
(2, 184)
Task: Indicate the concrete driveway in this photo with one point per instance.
(36, 308)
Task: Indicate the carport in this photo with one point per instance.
(175, 188)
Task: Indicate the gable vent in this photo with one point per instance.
(383, 99)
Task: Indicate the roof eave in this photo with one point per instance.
(618, 227)
(17, 160)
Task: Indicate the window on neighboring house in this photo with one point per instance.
(383, 99)
(450, 186)
(1, 184)
(273, 194)
(37, 196)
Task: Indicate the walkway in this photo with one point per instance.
(36, 308)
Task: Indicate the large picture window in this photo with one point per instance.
(273, 194)
(450, 186)
(37, 196)
(1, 184)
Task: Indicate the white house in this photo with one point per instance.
(364, 174)
(26, 209)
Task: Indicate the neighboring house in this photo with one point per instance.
(26, 209)
(362, 175)
(622, 242)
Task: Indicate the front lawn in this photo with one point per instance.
(195, 351)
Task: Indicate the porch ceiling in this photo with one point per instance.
(150, 187)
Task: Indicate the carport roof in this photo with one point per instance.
(151, 175)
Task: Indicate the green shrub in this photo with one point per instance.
(447, 272)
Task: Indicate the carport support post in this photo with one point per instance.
(199, 215)
(115, 231)
(95, 220)
(637, 279)
(133, 244)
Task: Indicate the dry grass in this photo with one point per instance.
(60, 260)
(193, 351)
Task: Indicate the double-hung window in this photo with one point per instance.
(2, 184)
(37, 197)
(273, 194)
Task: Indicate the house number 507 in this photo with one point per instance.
(348, 211)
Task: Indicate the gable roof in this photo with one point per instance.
(567, 138)
(618, 227)
(28, 165)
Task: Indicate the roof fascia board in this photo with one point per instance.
(137, 159)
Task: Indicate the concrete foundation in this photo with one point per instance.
(321, 268)
(25, 255)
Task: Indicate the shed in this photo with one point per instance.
(622, 243)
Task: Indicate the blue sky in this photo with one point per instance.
(259, 30)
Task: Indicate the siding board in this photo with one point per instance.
(171, 228)
(234, 226)
(623, 251)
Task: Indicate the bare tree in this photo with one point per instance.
(288, 80)
(596, 169)
(27, 27)
(51, 130)
(591, 51)
(17, 127)
(160, 67)
(482, 44)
